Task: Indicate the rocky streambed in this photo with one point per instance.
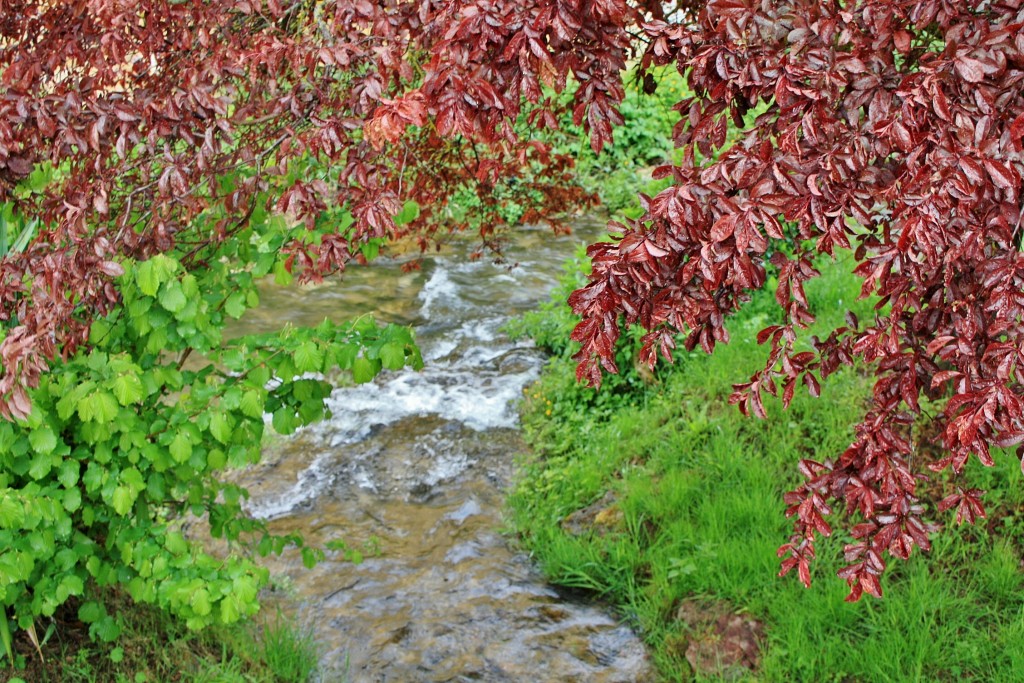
(409, 475)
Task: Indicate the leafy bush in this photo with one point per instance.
(128, 437)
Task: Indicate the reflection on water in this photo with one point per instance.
(412, 468)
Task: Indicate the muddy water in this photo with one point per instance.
(411, 471)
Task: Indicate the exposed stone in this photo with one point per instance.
(722, 643)
(600, 517)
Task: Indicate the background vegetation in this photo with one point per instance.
(156, 648)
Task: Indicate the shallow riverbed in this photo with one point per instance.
(411, 470)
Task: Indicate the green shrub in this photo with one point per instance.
(129, 436)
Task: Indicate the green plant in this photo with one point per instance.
(128, 437)
(156, 647)
(698, 487)
(290, 652)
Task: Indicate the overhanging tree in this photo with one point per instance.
(892, 129)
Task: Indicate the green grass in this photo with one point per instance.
(700, 488)
(156, 648)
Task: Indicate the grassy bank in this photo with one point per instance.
(685, 514)
(156, 648)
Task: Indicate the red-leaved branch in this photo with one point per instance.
(145, 108)
(893, 129)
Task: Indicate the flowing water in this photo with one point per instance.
(411, 471)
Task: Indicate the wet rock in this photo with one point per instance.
(599, 517)
(722, 643)
(519, 360)
(553, 613)
(421, 491)
(462, 552)
(399, 634)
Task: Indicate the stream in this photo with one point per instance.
(411, 471)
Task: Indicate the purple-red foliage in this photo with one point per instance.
(893, 129)
(143, 107)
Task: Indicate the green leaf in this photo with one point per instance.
(148, 278)
(410, 212)
(364, 369)
(251, 404)
(309, 558)
(106, 628)
(176, 543)
(91, 612)
(370, 250)
(100, 406)
(12, 512)
(345, 355)
(128, 389)
(172, 297)
(308, 357)
(40, 466)
(181, 448)
(284, 421)
(73, 584)
(72, 500)
(216, 459)
(106, 407)
(200, 602)
(281, 275)
(132, 478)
(68, 474)
(229, 611)
(99, 331)
(392, 355)
(69, 403)
(220, 427)
(94, 477)
(234, 305)
(43, 439)
(122, 500)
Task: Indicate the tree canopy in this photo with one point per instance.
(892, 129)
(889, 129)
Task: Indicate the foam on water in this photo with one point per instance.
(439, 287)
(478, 400)
(310, 482)
(461, 383)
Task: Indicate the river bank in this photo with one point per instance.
(655, 494)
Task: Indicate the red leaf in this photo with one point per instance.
(111, 268)
(723, 228)
(970, 69)
(812, 384)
